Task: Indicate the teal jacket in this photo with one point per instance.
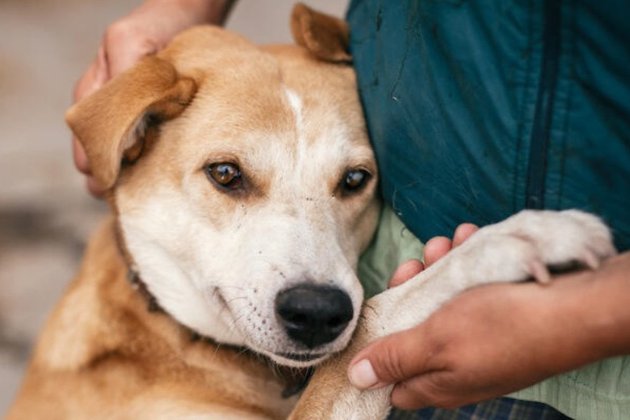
(478, 109)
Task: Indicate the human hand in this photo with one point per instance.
(496, 339)
(146, 30)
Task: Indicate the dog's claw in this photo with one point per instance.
(539, 271)
(591, 260)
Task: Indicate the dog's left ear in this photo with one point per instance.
(325, 36)
(111, 123)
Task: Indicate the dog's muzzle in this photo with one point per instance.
(313, 315)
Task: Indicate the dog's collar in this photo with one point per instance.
(295, 379)
(138, 285)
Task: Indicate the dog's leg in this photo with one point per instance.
(520, 247)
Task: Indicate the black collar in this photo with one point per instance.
(138, 285)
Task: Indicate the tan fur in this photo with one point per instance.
(102, 354)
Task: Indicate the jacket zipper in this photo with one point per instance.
(539, 142)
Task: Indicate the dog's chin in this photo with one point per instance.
(288, 359)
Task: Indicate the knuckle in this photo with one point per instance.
(390, 364)
(418, 393)
(439, 395)
(118, 31)
(121, 35)
(437, 343)
(129, 36)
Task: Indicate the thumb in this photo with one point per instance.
(389, 360)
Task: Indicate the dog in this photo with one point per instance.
(243, 190)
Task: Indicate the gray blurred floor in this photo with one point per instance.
(45, 214)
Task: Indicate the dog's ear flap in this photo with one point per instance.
(111, 123)
(326, 37)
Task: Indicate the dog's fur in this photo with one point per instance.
(214, 260)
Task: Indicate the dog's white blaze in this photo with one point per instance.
(296, 107)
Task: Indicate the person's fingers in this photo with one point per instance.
(94, 188)
(405, 271)
(392, 359)
(80, 158)
(103, 74)
(95, 77)
(463, 232)
(92, 80)
(423, 391)
(435, 249)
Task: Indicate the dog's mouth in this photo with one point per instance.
(291, 359)
(297, 357)
(297, 360)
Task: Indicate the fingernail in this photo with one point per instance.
(362, 375)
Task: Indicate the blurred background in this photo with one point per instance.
(46, 214)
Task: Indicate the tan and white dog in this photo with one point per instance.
(242, 185)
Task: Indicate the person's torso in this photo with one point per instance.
(479, 109)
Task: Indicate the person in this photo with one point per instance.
(477, 110)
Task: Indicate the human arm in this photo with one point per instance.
(145, 30)
(492, 340)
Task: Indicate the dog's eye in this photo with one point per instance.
(225, 175)
(354, 180)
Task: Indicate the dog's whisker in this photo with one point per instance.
(225, 307)
(233, 326)
(236, 298)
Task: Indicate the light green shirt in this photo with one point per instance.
(600, 391)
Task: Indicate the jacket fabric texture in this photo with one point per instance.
(479, 109)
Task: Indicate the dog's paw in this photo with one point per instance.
(521, 247)
(329, 395)
(530, 242)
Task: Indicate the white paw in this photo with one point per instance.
(526, 244)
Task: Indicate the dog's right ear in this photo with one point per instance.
(111, 123)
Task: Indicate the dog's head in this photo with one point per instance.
(243, 183)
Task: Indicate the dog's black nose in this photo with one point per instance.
(313, 315)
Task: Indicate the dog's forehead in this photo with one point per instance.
(274, 95)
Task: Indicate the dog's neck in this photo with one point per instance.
(137, 284)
